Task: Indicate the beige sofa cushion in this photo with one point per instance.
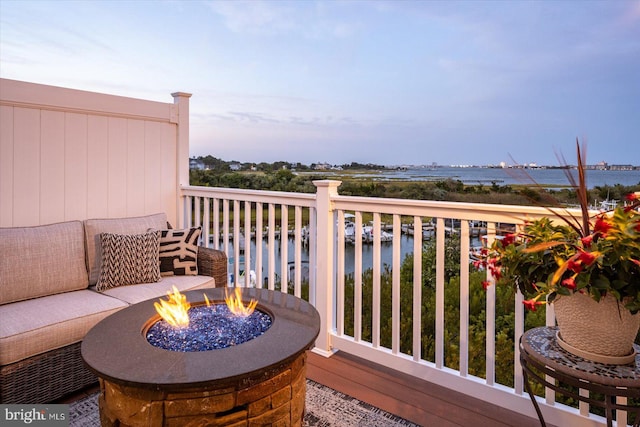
(132, 225)
(42, 260)
(137, 293)
(38, 325)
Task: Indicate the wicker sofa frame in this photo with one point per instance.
(47, 377)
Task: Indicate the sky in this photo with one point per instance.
(385, 82)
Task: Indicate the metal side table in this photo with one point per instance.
(545, 362)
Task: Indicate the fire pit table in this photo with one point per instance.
(258, 382)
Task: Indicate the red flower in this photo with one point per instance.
(509, 239)
(587, 240)
(485, 284)
(531, 304)
(631, 197)
(587, 258)
(601, 226)
(569, 283)
(575, 266)
(494, 269)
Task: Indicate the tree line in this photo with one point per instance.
(274, 177)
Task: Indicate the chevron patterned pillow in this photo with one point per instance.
(179, 252)
(128, 259)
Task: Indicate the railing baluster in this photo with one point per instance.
(340, 242)
(491, 320)
(271, 245)
(196, 212)
(313, 255)
(377, 270)
(247, 244)
(464, 298)
(188, 202)
(395, 279)
(225, 226)
(297, 240)
(417, 288)
(284, 249)
(518, 383)
(216, 223)
(206, 222)
(357, 277)
(259, 244)
(236, 243)
(440, 249)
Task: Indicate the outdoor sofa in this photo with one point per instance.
(58, 280)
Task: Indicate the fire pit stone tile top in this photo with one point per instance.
(259, 382)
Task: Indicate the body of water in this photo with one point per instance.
(486, 176)
(386, 256)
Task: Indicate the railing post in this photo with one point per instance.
(180, 116)
(324, 289)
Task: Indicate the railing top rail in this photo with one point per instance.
(457, 210)
(276, 197)
(424, 208)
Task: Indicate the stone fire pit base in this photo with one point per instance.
(274, 397)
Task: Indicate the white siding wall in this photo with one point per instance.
(68, 154)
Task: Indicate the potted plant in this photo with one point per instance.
(583, 265)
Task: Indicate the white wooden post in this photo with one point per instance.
(324, 289)
(180, 116)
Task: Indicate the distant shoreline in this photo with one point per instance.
(484, 176)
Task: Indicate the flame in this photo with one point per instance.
(174, 310)
(236, 306)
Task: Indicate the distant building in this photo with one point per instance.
(602, 165)
(322, 166)
(196, 163)
(235, 166)
(621, 167)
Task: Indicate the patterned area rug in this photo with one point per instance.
(325, 407)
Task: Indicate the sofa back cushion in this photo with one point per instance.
(41, 260)
(132, 225)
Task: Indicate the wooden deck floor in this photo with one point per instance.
(411, 398)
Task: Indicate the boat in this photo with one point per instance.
(368, 234)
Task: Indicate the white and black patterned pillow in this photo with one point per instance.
(179, 252)
(128, 259)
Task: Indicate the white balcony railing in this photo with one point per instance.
(307, 234)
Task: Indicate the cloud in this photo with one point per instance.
(255, 17)
(252, 117)
(306, 19)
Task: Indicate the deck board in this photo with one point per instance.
(411, 398)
